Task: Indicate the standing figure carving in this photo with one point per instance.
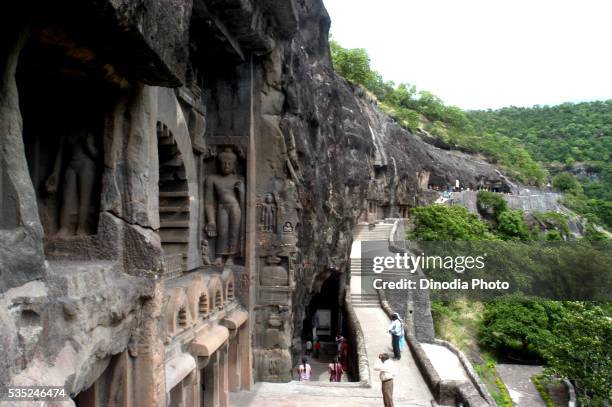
(79, 154)
(224, 194)
(268, 214)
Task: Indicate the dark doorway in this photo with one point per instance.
(325, 306)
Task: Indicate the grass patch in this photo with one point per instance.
(457, 322)
(540, 383)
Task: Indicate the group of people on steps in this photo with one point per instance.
(385, 366)
(336, 368)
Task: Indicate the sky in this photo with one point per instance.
(480, 54)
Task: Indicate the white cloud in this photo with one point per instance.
(485, 53)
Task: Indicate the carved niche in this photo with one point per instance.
(268, 214)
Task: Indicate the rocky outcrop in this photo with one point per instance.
(340, 150)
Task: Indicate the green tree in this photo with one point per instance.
(517, 326)
(353, 64)
(579, 349)
(511, 225)
(566, 182)
(446, 223)
(490, 204)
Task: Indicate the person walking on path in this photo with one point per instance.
(304, 370)
(335, 370)
(339, 339)
(396, 330)
(317, 348)
(387, 374)
(308, 347)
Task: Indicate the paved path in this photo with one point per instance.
(296, 394)
(409, 384)
(517, 379)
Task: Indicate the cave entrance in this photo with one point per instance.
(324, 310)
(324, 320)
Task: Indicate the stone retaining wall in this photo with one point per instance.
(469, 370)
(358, 351)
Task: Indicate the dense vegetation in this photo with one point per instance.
(573, 141)
(564, 139)
(448, 223)
(571, 337)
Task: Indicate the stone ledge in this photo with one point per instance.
(467, 366)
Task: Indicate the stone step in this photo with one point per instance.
(174, 223)
(173, 238)
(362, 295)
(174, 208)
(365, 300)
(175, 175)
(356, 298)
(174, 194)
(176, 161)
(374, 238)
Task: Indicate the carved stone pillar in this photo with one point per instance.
(148, 352)
(234, 363)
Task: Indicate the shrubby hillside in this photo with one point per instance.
(572, 141)
(568, 146)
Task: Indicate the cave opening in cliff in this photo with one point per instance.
(323, 312)
(64, 103)
(325, 320)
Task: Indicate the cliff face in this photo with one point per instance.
(343, 151)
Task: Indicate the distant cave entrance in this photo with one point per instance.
(64, 103)
(324, 319)
(324, 309)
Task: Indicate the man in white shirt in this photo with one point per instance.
(387, 372)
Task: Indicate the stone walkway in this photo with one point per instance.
(409, 384)
(517, 379)
(296, 394)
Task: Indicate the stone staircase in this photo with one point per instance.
(379, 231)
(361, 233)
(173, 202)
